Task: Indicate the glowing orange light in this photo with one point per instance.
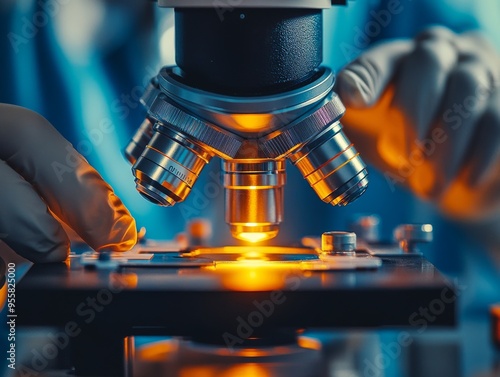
(246, 370)
(251, 251)
(158, 351)
(381, 125)
(253, 268)
(123, 280)
(199, 371)
(240, 370)
(252, 276)
(309, 343)
(247, 263)
(251, 122)
(255, 237)
(3, 296)
(255, 352)
(252, 352)
(129, 348)
(397, 150)
(464, 200)
(495, 319)
(254, 232)
(253, 255)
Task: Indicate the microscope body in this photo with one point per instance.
(249, 88)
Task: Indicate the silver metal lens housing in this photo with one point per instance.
(254, 198)
(254, 136)
(332, 166)
(169, 166)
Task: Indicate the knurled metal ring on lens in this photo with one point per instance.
(220, 141)
(150, 93)
(282, 141)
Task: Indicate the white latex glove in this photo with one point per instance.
(427, 113)
(42, 176)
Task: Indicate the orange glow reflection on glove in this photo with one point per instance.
(41, 173)
(427, 113)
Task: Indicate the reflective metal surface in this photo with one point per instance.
(332, 166)
(199, 100)
(254, 136)
(169, 166)
(139, 141)
(254, 198)
(410, 235)
(338, 243)
(366, 227)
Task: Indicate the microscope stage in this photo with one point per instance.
(208, 289)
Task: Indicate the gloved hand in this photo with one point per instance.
(427, 113)
(43, 181)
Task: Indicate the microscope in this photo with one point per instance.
(250, 89)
